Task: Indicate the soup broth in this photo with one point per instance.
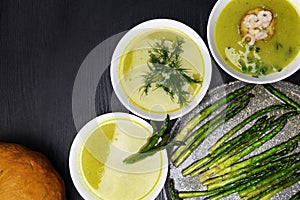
(134, 64)
(263, 57)
(102, 161)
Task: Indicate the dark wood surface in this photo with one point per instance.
(42, 46)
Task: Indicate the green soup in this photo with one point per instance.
(275, 53)
(101, 161)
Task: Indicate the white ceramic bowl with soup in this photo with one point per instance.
(256, 41)
(96, 160)
(160, 67)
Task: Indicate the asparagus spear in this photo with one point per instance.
(251, 136)
(250, 169)
(176, 195)
(245, 122)
(269, 190)
(247, 184)
(229, 187)
(153, 144)
(270, 153)
(236, 186)
(213, 171)
(190, 194)
(260, 124)
(278, 176)
(187, 152)
(209, 126)
(241, 185)
(196, 167)
(223, 149)
(152, 141)
(207, 111)
(254, 182)
(236, 144)
(279, 187)
(296, 196)
(229, 175)
(282, 96)
(281, 163)
(140, 156)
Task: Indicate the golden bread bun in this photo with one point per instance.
(27, 175)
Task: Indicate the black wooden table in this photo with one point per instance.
(44, 62)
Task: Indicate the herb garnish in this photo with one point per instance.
(278, 45)
(289, 51)
(166, 71)
(248, 61)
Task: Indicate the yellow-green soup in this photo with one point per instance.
(134, 64)
(275, 53)
(102, 161)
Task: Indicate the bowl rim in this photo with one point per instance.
(287, 71)
(155, 23)
(76, 148)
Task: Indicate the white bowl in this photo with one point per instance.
(155, 24)
(270, 78)
(156, 164)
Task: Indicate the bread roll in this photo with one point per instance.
(27, 175)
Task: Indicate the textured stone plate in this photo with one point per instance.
(262, 99)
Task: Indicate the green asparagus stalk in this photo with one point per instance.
(278, 176)
(187, 152)
(155, 143)
(140, 156)
(211, 124)
(250, 169)
(219, 179)
(223, 149)
(196, 167)
(248, 137)
(251, 136)
(270, 153)
(225, 179)
(269, 190)
(231, 187)
(176, 195)
(207, 111)
(164, 140)
(280, 186)
(282, 97)
(296, 196)
(152, 141)
(268, 177)
(260, 124)
(190, 194)
(245, 122)
(255, 181)
(227, 189)
(213, 171)
(241, 185)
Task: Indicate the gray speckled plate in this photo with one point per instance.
(262, 99)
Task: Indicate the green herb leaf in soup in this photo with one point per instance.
(166, 71)
(161, 70)
(256, 36)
